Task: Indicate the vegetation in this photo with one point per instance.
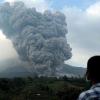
(41, 88)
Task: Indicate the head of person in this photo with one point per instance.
(93, 69)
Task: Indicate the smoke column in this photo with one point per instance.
(39, 38)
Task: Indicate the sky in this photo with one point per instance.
(83, 22)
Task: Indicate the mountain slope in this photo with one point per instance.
(65, 69)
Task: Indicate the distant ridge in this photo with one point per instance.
(64, 69)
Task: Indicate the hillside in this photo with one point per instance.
(20, 71)
(71, 70)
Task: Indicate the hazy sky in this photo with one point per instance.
(83, 20)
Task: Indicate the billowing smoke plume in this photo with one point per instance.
(39, 38)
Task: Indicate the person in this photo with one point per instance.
(93, 76)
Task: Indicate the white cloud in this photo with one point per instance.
(2, 37)
(77, 58)
(6, 48)
(94, 10)
(84, 32)
(80, 57)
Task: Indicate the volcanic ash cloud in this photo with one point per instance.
(39, 38)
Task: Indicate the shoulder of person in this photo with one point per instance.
(86, 94)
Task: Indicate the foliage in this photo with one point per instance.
(41, 88)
